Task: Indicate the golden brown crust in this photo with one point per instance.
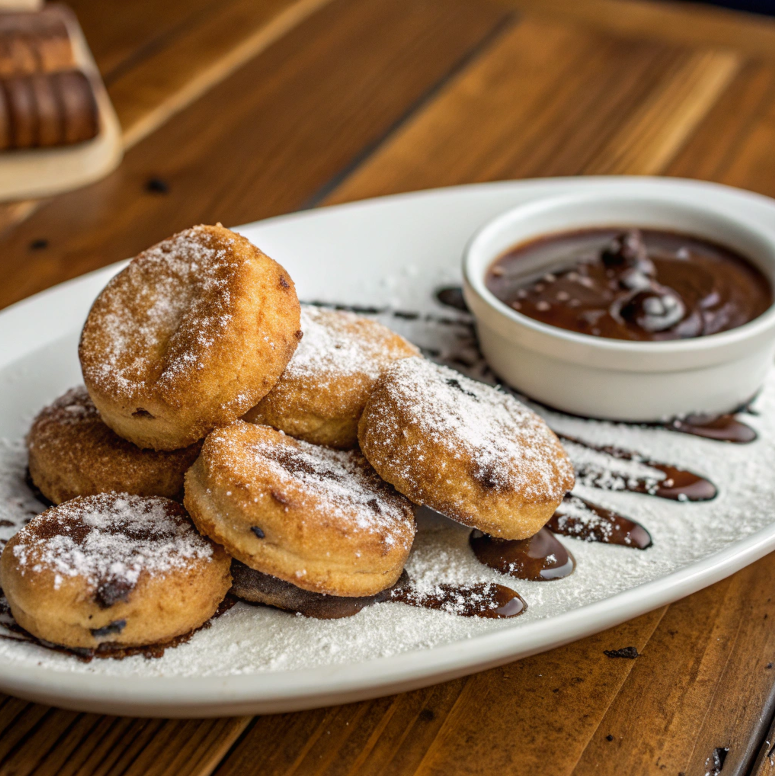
(464, 449)
(73, 453)
(58, 573)
(318, 518)
(322, 392)
(194, 332)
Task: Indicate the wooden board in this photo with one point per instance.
(43, 172)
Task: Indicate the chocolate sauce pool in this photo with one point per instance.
(643, 285)
(540, 558)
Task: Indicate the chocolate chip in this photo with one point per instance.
(609, 737)
(109, 630)
(630, 653)
(112, 591)
(283, 282)
(257, 531)
(299, 334)
(39, 244)
(157, 186)
(426, 715)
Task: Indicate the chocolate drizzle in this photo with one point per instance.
(541, 558)
(452, 296)
(676, 485)
(719, 428)
(590, 522)
(478, 600)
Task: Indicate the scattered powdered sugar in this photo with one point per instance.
(177, 293)
(578, 518)
(509, 446)
(598, 469)
(339, 483)
(249, 639)
(109, 538)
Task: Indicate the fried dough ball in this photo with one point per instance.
(73, 453)
(465, 449)
(113, 570)
(324, 388)
(190, 336)
(318, 518)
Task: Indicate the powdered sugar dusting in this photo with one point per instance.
(334, 345)
(600, 470)
(253, 640)
(577, 518)
(340, 483)
(109, 538)
(158, 318)
(510, 446)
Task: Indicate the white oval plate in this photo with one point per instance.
(394, 252)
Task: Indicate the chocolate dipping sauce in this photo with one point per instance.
(540, 558)
(644, 285)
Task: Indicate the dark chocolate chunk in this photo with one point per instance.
(112, 591)
(39, 244)
(109, 630)
(257, 531)
(455, 383)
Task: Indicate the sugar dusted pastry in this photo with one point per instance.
(324, 388)
(73, 453)
(113, 570)
(190, 336)
(465, 449)
(318, 518)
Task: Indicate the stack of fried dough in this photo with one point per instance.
(229, 438)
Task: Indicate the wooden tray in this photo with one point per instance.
(42, 172)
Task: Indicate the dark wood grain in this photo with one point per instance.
(298, 113)
(552, 100)
(464, 726)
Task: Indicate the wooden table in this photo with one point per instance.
(235, 110)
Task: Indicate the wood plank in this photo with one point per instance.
(53, 742)
(684, 24)
(120, 33)
(753, 164)
(765, 761)
(653, 134)
(167, 81)
(287, 122)
(718, 139)
(702, 684)
(551, 101)
(464, 726)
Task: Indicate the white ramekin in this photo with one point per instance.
(617, 379)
